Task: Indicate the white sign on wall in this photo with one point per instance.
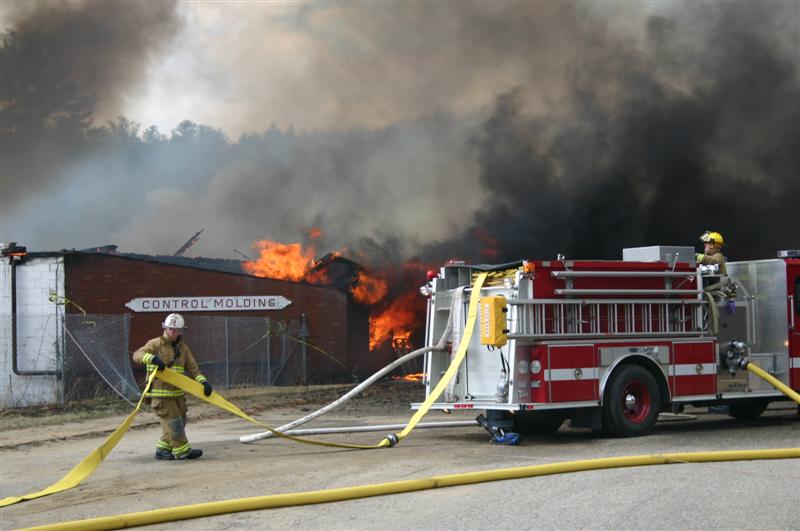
(219, 303)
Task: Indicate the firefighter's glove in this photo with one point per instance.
(207, 388)
(158, 363)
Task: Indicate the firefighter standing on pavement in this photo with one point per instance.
(168, 401)
(712, 251)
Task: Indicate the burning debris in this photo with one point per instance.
(396, 312)
(396, 321)
(281, 260)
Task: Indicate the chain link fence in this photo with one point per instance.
(31, 359)
(96, 362)
(57, 358)
(248, 351)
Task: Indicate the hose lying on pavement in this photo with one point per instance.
(396, 487)
(358, 389)
(274, 501)
(380, 427)
(87, 466)
(339, 401)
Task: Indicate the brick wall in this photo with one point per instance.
(102, 284)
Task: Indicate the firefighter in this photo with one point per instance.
(712, 251)
(168, 401)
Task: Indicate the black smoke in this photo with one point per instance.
(594, 138)
(699, 134)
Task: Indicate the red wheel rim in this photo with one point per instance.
(636, 401)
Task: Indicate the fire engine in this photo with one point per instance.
(611, 344)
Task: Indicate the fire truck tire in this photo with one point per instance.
(539, 423)
(748, 409)
(632, 402)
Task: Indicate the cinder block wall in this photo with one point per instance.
(39, 334)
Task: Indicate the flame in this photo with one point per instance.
(416, 377)
(392, 318)
(404, 314)
(314, 233)
(397, 320)
(288, 261)
(369, 290)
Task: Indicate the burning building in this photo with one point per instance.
(46, 289)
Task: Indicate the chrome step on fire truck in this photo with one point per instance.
(610, 344)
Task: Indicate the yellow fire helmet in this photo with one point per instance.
(712, 237)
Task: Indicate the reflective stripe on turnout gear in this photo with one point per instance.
(177, 356)
(181, 450)
(164, 393)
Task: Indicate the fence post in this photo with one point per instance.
(61, 354)
(269, 351)
(303, 336)
(227, 360)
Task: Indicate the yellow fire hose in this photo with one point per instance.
(777, 384)
(411, 485)
(85, 468)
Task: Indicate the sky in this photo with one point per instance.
(487, 130)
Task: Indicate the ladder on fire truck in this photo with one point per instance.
(612, 313)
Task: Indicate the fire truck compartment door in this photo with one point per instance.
(694, 369)
(793, 273)
(573, 374)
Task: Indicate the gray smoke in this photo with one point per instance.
(480, 131)
(106, 46)
(65, 66)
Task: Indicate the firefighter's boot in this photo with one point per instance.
(164, 455)
(194, 453)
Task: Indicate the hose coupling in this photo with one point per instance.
(393, 439)
(743, 363)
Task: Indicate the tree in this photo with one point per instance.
(38, 92)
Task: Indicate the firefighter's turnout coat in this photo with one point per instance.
(168, 401)
(713, 256)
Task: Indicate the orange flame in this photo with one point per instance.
(288, 261)
(416, 377)
(314, 233)
(369, 290)
(397, 320)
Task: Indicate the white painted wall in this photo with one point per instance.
(39, 331)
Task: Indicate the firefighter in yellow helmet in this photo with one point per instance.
(168, 401)
(712, 251)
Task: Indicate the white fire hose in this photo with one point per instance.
(379, 427)
(358, 389)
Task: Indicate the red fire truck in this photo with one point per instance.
(611, 344)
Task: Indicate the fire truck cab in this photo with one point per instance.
(611, 344)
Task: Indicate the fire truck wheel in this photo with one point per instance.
(748, 409)
(540, 423)
(631, 403)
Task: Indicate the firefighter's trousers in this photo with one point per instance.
(171, 413)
